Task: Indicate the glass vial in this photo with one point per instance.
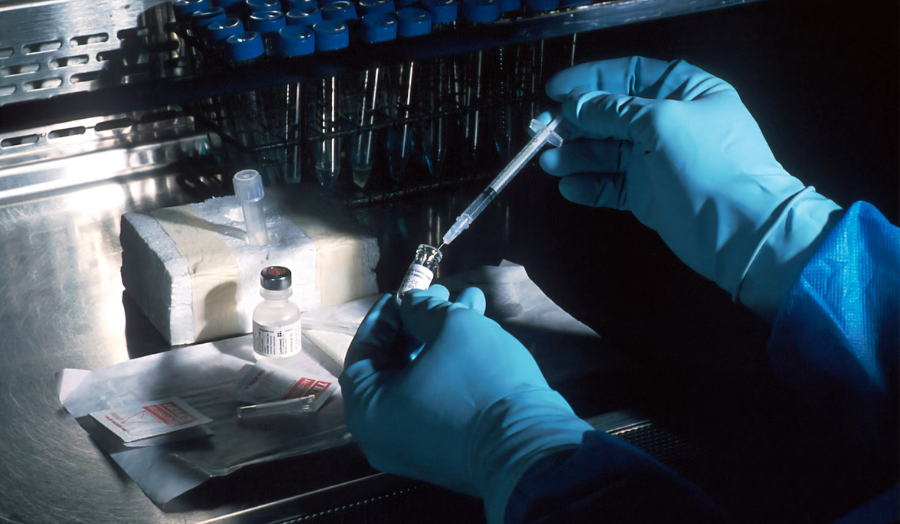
(421, 271)
(276, 321)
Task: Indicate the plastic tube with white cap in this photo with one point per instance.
(248, 188)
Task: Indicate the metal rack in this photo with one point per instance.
(61, 64)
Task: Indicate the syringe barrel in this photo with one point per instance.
(481, 201)
(544, 135)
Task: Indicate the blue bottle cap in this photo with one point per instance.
(378, 27)
(222, 29)
(225, 4)
(204, 17)
(442, 11)
(542, 5)
(304, 16)
(296, 40)
(575, 3)
(263, 5)
(290, 5)
(413, 22)
(376, 6)
(481, 11)
(404, 3)
(244, 46)
(340, 11)
(513, 5)
(185, 8)
(331, 35)
(265, 22)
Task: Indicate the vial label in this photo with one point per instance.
(417, 277)
(276, 341)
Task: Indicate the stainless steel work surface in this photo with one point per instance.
(62, 306)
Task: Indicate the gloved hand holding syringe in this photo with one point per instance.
(543, 134)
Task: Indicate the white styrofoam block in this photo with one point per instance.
(156, 275)
(151, 264)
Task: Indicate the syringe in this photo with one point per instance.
(542, 135)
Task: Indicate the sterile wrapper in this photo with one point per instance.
(268, 382)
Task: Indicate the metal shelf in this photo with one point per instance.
(107, 93)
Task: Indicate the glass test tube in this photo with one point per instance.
(477, 12)
(330, 35)
(377, 26)
(295, 40)
(412, 22)
(434, 132)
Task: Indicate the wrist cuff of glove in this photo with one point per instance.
(804, 222)
(513, 434)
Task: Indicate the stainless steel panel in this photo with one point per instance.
(50, 48)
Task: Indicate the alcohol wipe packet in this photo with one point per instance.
(150, 419)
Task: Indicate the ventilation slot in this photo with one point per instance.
(69, 61)
(98, 38)
(23, 69)
(134, 32)
(63, 133)
(85, 77)
(6, 52)
(159, 117)
(47, 83)
(135, 78)
(7, 90)
(113, 124)
(42, 47)
(19, 141)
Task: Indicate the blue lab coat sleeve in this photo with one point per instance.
(607, 480)
(835, 339)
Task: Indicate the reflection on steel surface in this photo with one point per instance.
(70, 153)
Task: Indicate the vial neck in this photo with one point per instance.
(276, 296)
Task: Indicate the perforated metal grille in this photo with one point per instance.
(661, 443)
(47, 49)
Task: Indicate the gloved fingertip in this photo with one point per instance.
(550, 161)
(580, 189)
(473, 298)
(439, 291)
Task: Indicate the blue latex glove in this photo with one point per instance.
(471, 412)
(675, 146)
